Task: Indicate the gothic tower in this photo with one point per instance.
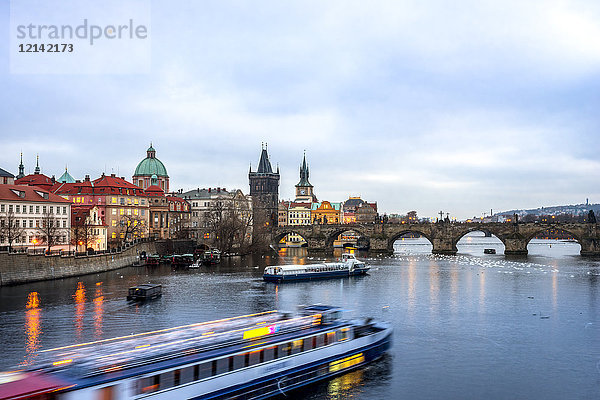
(264, 189)
(304, 190)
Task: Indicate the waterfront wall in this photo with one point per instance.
(18, 268)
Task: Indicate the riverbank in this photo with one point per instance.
(19, 268)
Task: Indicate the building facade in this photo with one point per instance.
(123, 207)
(208, 206)
(31, 217)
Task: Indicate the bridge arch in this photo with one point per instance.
(461, 234)
(332, 236)
(404, 232)
(282, 234)
(543, 229)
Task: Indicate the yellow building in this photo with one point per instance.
(326, 212)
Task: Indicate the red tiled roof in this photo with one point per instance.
(154, 191)
(29, 193)
(102, 186)
(39, 180)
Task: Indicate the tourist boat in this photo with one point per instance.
(147, 291)
(348, 266)
(254, 356)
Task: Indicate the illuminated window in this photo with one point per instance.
(113, 200)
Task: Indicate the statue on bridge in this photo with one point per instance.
(591, 217)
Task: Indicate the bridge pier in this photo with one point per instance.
(515, 246)
(444, 245)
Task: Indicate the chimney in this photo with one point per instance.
(112, 175)
(87, 178)
(208, 190)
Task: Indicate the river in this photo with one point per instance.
(469, 326)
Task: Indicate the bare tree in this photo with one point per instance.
(49, 230)
(83, 231)
(10, 228)
(131, 227)
(229, 223)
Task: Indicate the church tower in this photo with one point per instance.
(304, 190)
(21, 168)
(264, 189)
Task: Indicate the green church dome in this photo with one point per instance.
(151, 165)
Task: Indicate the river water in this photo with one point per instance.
(469, 326)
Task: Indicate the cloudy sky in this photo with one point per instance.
(419, 105)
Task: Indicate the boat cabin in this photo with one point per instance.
(144, 292)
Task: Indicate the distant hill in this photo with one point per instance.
(576, 209)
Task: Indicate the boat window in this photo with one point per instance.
(330, 338)
(308, 344)
(320, 340)
(204, 370)
(254, 357)
(239, 361)
(105, 393)
(270, 353)
(284, 349)
(222, 366)
(148, 384)
(344, 334)
(176, 377)
(187, 375)
(166, 380)
(297, 346)
(213, 368)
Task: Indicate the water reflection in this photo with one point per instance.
(79, 297)
(98, 310)
(32, 327)
(340, 386)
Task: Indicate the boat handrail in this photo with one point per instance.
(125, 349)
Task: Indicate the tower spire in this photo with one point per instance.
(21, 168)
(37, 164)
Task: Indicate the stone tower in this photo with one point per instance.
(264, 189)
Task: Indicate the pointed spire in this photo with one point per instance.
(264, 165)
(37, 164)
(21, 168)
(304, 173)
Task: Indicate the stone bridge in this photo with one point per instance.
(443, 236)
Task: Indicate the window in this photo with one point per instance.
(30, 209)
(64, 209)
(2, 207)
(285, 349)
(114, 211)
(18, 208)
(270, 353)
(255, 357)
(239, 361)
(43, 209)
(222, 365)
(297, 346)
(10, 208)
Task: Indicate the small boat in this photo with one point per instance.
(211, 257)
(489, 251)
(348, 266)
(152, 260)
(255, 356)
(147, 291)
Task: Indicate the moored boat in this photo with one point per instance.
(253, 357)
(211, 257)
(347, 266)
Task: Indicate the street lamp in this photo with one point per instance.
(34, 243)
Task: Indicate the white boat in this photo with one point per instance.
(252, 357)
(349, 265)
